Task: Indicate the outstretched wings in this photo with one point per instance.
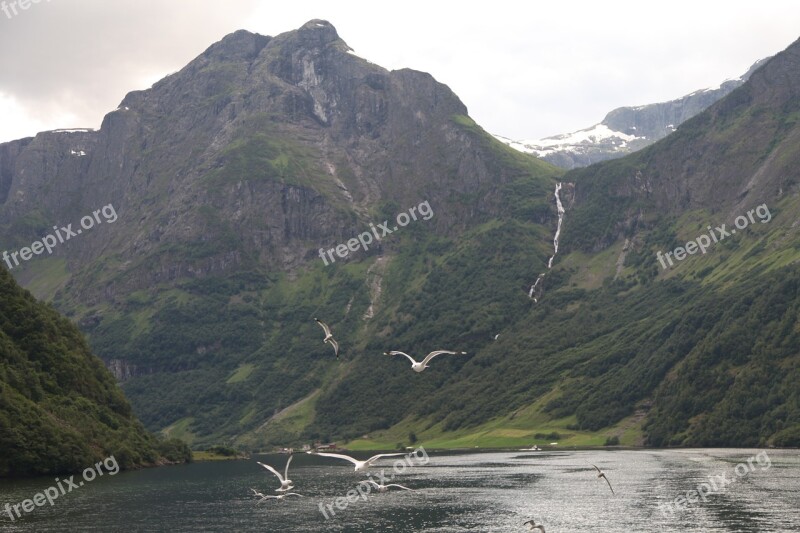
(324, 326)
(286, 473)
(439, 352)
(413, 362)
(339, 456)
(335, 345)
(278, 474)
(609, 484)
(399, 486)
(376, 457)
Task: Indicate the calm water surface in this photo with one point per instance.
(481, 492)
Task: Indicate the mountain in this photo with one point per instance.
(626, 129)
(60, 409)
(227, 178)
(225, 205)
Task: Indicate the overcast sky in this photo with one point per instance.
(524, 69)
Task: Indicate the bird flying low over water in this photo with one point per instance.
(419, 367)
(385, 488)
(280, 497)
(328, 336)
(601, 474)
(286, 483)
(360, 465)
(533, 525)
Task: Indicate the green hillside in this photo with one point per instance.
(241, 166)
(60, 409)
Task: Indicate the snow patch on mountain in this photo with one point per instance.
(576, 142)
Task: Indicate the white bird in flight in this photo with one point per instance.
(328, 336)
(360, 465)
(385, 488)
(280, 497)
(286, 483)
(533, 525)
(601, 474)
(419, 367)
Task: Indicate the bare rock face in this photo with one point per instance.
(256, 151)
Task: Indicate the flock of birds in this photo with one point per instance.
(360, 466)
(363, 466)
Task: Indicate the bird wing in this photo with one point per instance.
(400, 487)
(286, 473)
(598, 470)
(371, 482)
(376, 457)
(413, 361)
(324, 326)
(294, 494)
(339, 456)
(272, 470)
(335, 345)
(609, 485)
(434, 354)
(268, 498)
(256, 493)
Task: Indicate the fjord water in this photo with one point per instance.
(481, 492)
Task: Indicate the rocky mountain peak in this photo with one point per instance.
(316, 32)
(239, 45)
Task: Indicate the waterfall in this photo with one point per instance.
(560, 208)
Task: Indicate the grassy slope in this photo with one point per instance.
(222, 356)
(550, 372)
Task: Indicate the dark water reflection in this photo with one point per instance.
(483, 492)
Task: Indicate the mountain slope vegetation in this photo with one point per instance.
(237, 170)
(60, 409)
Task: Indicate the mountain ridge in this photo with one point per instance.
(627, 129)
(231, 174)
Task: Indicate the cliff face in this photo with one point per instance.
(739, 153)
(254, 152)
(229, 176)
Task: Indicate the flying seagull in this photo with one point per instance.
(533, 525)
(328, 336)
(360, 465)
(419, 367)
(280, 497)
(385, 488)
(286, 483)
(601, 474)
